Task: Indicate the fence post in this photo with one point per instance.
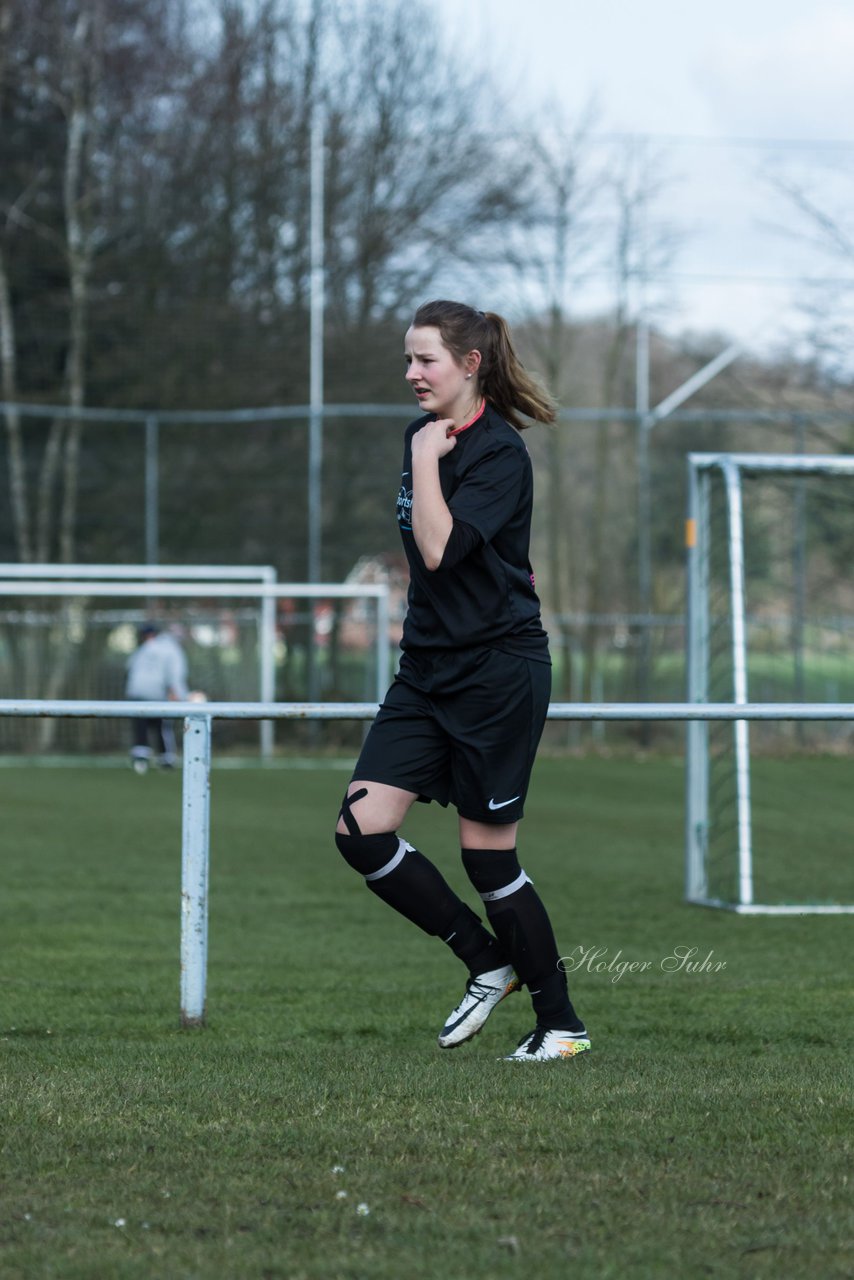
(152, 489)
(195, 857)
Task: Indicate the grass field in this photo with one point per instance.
(709, 1133)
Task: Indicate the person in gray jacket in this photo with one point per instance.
(156, 672)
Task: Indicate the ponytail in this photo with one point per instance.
(503, 379)
(506, 383)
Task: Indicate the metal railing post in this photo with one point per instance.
(267, 663)
(195, 859)
(382, 644)
(152, 489)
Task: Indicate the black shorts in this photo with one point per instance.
(461, 727)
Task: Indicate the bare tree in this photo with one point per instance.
(556, 247)
(420, 184)
(60, 67)
(420, 191)
(643, 246)
(85, 66)
(825, 224)
(8, 340)
(17, 472)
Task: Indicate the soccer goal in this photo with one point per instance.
(770, 541)
(244, 638)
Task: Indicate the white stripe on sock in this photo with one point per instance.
(402, 848)
(522, 879)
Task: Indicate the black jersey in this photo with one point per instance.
(488, 597)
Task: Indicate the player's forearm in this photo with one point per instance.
(431, 520)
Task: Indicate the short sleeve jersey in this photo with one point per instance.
(488, 597)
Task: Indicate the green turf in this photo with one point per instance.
(707, 1134)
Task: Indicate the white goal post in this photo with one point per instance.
(719, 805)
(199, 582)
(154, 574)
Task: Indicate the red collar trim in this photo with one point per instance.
(455, 431)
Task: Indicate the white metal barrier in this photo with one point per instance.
(195, 834)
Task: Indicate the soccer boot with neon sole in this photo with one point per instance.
(481, 996)
(545, 1045)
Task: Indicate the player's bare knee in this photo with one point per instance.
(369, 852)
(348, 822)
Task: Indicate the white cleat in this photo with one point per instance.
(482, 994)
(545, 1045)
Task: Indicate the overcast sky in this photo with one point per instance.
(728, 92)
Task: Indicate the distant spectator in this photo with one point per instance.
(156, 672)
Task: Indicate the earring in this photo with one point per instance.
(468, 375)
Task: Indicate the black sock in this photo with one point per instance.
(522, 926)
(416, 889)
(474, 944)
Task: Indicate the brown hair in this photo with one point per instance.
(503, 379)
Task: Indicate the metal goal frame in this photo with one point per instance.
(209, 582)
(731, 467)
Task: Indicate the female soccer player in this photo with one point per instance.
(462, 719)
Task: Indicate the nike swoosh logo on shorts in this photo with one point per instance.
(502, 804)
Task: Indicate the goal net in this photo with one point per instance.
(770, 619)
